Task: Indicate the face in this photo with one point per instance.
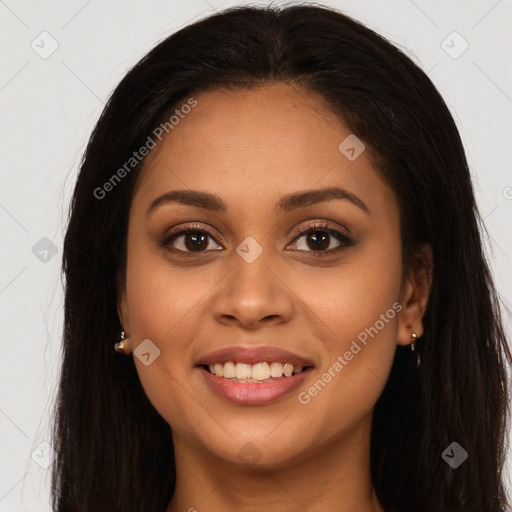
(271, 271)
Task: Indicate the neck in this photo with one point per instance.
(334, 476)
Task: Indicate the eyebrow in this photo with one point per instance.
(287, 203)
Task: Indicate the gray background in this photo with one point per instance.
(50, 101)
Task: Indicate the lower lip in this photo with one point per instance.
(254, 393)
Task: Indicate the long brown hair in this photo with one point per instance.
(113, 450)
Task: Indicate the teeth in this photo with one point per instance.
(242, 371)
(259, 371)
(288, 369)
(276, 370)
(219, 369)
(229, 370)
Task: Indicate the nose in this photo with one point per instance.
(253, 295)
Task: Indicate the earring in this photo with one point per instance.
(413, 338)
(122, 346)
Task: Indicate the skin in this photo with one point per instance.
(251, 148)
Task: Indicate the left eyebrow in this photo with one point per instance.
(286, 204)
(302, 199)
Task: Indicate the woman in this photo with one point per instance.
(274, 219)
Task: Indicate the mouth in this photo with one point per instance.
(254, 375)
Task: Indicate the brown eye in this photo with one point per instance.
(320, 240)
(190, 240)
(195, 241)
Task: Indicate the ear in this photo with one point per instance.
(122, 304)
(415, 294)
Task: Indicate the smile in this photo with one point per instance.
(254, 373)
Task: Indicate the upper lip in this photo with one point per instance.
(253, 355)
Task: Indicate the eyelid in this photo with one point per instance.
(303, 229)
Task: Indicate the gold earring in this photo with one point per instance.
(122, 346)
(413, 338)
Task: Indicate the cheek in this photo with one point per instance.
(161, 297)
(162, 304)
(352, 297)
(162, 310)
(359, 309)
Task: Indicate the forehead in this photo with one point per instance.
(246, 145)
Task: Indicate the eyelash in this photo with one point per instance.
(345, 240)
